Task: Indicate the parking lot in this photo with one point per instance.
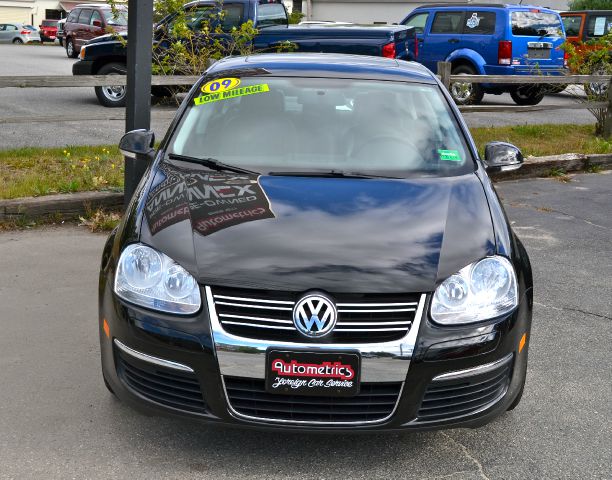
(57, 420)
(29, 103)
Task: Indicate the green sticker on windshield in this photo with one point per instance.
(234, 92)
(450, 155)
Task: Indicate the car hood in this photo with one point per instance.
(301, 233)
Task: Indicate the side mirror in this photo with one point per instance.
(137, 142)
(502, 157)
(97, 23)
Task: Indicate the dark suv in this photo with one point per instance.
(89, 21)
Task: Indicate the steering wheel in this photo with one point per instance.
(385, 139)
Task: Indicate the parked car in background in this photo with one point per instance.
(490, 39)
(48, 30)
(60, 31)
(17, 33)
(584, 25)
(88, 21)
(107, 55)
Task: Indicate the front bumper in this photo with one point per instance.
(82, 67)
(143, 351)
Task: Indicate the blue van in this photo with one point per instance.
(490, 39)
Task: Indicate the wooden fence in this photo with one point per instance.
(444, 70)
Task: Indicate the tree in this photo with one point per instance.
(589, 5)
(593, 58)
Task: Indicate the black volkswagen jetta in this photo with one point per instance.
(316, 244)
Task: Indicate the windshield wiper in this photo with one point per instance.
(329, 174)
(211, 163)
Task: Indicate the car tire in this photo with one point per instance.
(597, 91)
(527, 95)
(111, 96)
(18, 41)
(70, 49)
(465, 93)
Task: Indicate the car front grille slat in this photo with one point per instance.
(447, 399)
(267, 315)
(170, 388)
(375, 402)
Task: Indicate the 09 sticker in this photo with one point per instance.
(220, 85)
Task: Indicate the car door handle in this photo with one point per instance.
(453, 40)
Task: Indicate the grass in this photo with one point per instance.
(542, 140)
(27, 172)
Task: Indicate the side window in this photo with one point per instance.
(572, 25)
(84, 16)
(447, 22)
(95, 16)
(74, 15)
(2, 27)
(479, 23)
(599, 25)
(232, 16)
(418, 22)
(271, 14)
(11, 27)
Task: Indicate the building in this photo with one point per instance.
(388, 11)
(32, 12)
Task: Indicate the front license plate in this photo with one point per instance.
(312, 373)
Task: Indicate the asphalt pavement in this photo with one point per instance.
(57, 420)
(63, 102)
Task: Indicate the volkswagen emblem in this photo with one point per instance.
(315, 315)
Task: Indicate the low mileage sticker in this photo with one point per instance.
(231, 93)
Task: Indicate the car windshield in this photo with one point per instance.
(120, 19)
(272, 124)
(49, 23)
(536, 24)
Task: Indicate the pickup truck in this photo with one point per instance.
(106, 55)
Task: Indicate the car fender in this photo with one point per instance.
(471, 56)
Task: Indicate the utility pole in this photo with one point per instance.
(138, 89)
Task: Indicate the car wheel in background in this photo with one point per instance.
(70, 50)
(465, 93)
(18, 41)
(112, 96)
(527, 94)
(598, 91)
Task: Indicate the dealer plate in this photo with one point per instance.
(312, 373)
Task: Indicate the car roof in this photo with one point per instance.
(596, 12)
(326, 65)
(483, 5)
(96, 5)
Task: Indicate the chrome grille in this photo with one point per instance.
(267, 315)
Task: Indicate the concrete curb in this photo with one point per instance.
(75, 204)
(568, 162)
(66, 205)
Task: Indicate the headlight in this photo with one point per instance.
(149, 278)
(480, 291)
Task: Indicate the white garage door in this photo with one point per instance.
(361, 12)
(15, 14)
